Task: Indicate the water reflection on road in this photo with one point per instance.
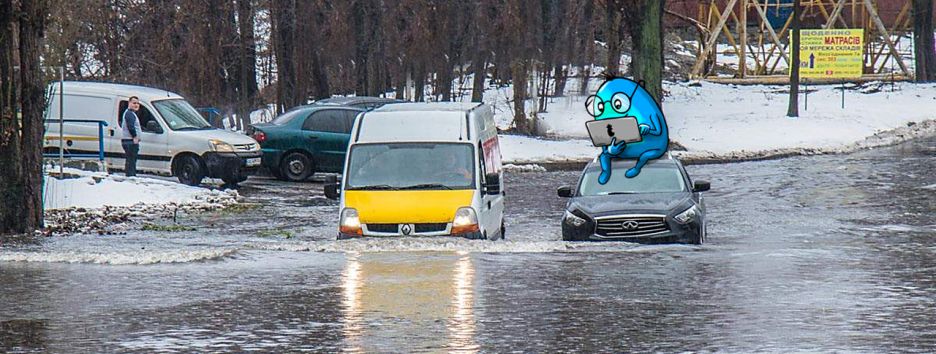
(422, 304)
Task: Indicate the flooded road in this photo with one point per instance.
(821, 253)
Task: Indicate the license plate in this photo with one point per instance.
(253, 162)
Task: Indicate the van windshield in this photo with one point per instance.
(410, 166)
(180, 115)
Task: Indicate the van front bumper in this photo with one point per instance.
(477, 235)
(231, 166)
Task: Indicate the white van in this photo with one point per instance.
(174, 140)
(422, 169)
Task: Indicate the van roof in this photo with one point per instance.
(145, 93)
(434, 106)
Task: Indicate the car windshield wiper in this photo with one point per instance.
(427, 186)
(613, 193)
(375, 187)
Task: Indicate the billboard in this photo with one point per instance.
(831, 53)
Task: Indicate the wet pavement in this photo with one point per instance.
(821, 253)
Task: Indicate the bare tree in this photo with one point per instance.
(793, 109)
(645, 25)
(923, 46)
(21, 104)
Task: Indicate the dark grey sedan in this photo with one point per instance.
(661, 204)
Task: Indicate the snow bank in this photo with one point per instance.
(730, 122)
(135, 257)
(95, 190)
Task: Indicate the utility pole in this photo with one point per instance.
(793, 110)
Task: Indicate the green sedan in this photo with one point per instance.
(305, 140)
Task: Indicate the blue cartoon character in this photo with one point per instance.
(628, 124)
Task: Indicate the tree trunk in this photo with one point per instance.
(419, 79)
(613, 33)
(477, 85)
(284, 14)
(247, 88)
(519, 71)
(562, 75)
(21, 206)
(588, 43)
(647, 37)
(923, 46)
(793, 110)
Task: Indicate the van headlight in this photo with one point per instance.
(572, 219)
(350, 223)
(688, 216)
(220, 146)
(466, 220)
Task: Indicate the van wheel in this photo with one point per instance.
(189, 170)
(296, 167)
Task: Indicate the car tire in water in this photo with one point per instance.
(296, 167)
(698, 238)
(276, 173)
(189, 170)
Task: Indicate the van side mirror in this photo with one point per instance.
(701, 186)
(153, 127)
(492, 184)
(332, 187)
(564, 191)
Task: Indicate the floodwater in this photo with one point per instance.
(821, 253)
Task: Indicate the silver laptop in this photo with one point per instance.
(624, 129)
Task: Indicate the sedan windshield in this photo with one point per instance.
(650, 180)
(180, 115)
(412, 166)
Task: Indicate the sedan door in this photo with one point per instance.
(328, 134)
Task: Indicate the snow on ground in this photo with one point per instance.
(96, 190)
(731, 122)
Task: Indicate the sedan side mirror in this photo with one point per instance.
(332, 187)
(565, 191)
(701, 186)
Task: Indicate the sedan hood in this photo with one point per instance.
(656, 203)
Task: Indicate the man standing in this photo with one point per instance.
(131, 135)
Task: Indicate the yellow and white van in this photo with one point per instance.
(422, 169)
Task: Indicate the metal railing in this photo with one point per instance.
(61, 153)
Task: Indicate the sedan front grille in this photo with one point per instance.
(631, 226)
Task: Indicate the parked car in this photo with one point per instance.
(367, 103)
(661, 204)
(422, 169)
(174, 140)
(305, 140)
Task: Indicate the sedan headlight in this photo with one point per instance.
(688, 216)
(220, 146)
(572, 219)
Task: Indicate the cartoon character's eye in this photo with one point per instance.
(620, 102)
(594, 106)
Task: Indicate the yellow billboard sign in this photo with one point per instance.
(831, 53)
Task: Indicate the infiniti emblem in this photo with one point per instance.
(630, 225)
(406, 229)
